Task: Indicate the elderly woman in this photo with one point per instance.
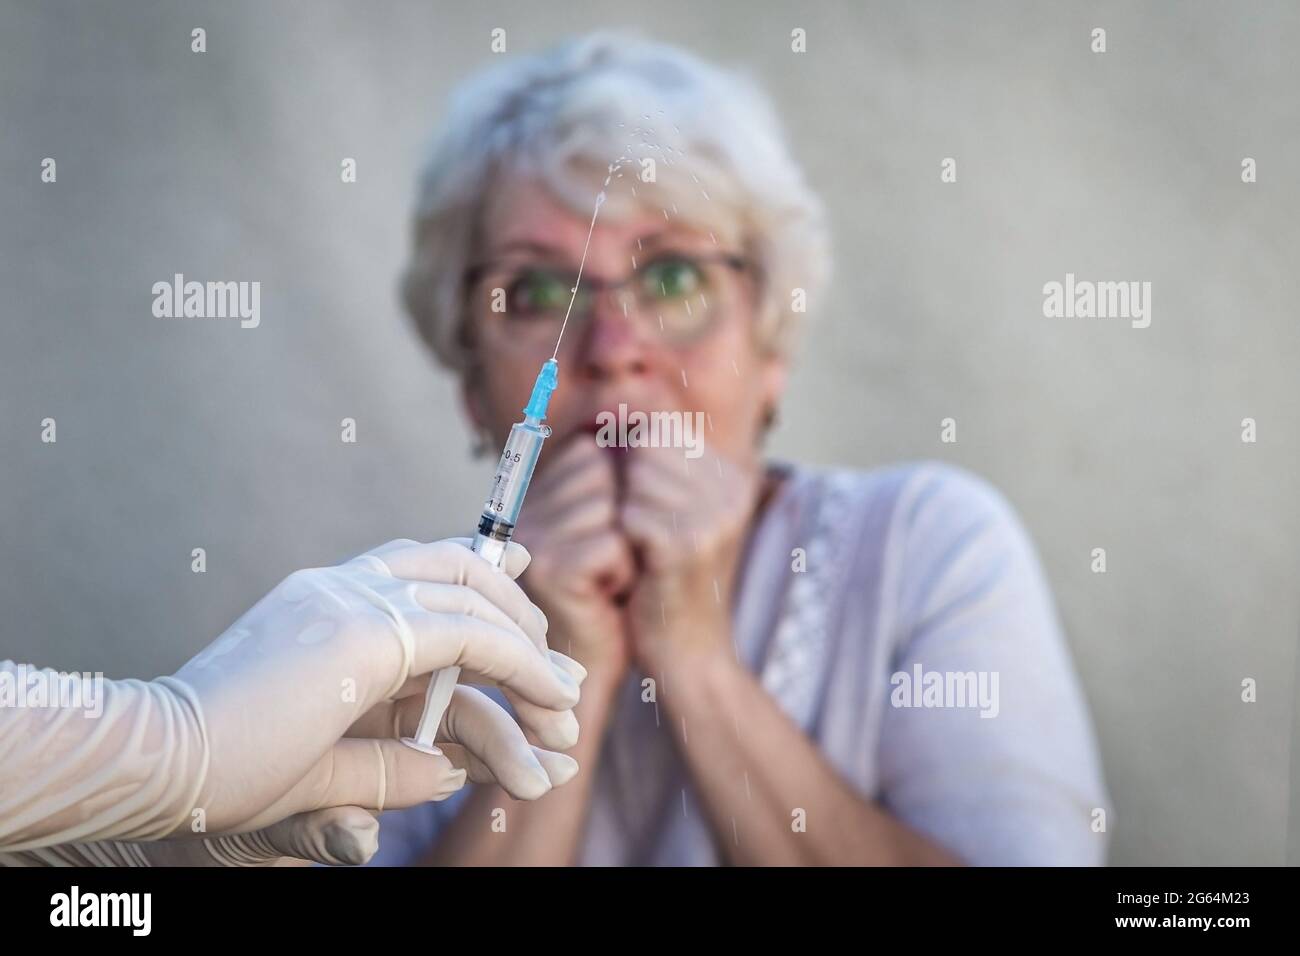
(785, 665)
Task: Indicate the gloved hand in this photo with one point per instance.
(297, 707)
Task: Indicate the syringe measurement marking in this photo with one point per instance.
(509, 458)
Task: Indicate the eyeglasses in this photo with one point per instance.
(676, 296)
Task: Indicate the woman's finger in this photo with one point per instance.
(592, 475)
(574, 457)
(647, 530)
(580, 518)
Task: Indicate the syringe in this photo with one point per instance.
(496, 525)
(497, 522)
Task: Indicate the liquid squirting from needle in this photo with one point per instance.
(496, 524)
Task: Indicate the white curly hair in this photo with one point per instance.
(566, 114)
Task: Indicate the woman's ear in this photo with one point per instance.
(472, 400)
(773, 375)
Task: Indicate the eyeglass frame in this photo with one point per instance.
(739, 263)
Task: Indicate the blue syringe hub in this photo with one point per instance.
(547, 379)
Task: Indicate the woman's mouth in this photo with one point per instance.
(604, 435)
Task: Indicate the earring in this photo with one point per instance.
(479, 446)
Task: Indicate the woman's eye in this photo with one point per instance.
(673, 278)
(538, 292)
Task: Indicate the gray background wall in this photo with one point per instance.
(175, 435)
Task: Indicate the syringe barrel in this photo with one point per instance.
(491, 538)
(514, 471)
(495, 528)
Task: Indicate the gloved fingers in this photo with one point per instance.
(394, 719)
(338, 836)
(560, 768)
(446, 562)
(562, 661)
(484, 728)
(553, 729)
(397, 544)
(399, 717)
(502, 656)
(384, 720)
(515, 561)
(414, 685)
(568, 664)
(447, 592)
(374, 558)
(375, 774)
(454, 599)
(417, 684)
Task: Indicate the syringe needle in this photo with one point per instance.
(573, 293)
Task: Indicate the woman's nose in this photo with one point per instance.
(614, 343)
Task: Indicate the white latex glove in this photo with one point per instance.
(290, 712)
